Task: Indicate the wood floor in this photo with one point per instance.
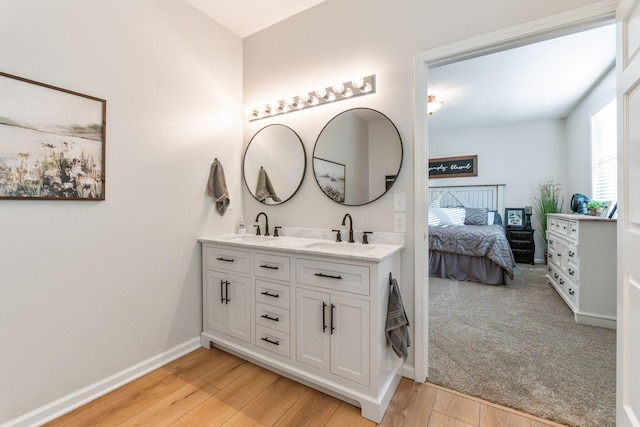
(214, 388)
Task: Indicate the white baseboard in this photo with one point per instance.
(408, 371)
(78, 398)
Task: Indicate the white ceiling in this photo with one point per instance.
(245, 17)
(540, 81)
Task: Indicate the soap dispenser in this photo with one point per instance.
(242, 228)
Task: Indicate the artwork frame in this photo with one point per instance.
(331, 177)
(450, 167)
(52, 142)
(514, 217)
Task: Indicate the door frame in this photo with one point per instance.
(542, 29)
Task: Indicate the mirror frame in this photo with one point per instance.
(313, 157)
(304, 167)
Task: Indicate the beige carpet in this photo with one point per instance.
(518, 346)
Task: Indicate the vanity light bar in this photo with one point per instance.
(337, 92)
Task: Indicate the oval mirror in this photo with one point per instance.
(274, 164)
(357, 156)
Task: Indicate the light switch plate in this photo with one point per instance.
(399, 222)
(399, 202)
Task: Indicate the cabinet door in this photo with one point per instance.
(312, 328)
(238, 306)
(350, 338)
(214, 307)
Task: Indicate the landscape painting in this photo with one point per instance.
(52, 142)
(331, 178)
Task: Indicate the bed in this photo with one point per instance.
(466, 236)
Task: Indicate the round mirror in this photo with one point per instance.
(357, 156)
(274, 164)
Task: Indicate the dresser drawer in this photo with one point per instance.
(525, 235)
(227, 259)
(273, 294)
(273, 317)
(562, 227)
(274, 341)
(333, 275)
(272, 267)
(573, 230)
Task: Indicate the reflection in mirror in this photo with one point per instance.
(274, 164)
(357, 156)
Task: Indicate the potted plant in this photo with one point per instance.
(548, 201)
(595, 207)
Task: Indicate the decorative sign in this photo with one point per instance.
(453, 167)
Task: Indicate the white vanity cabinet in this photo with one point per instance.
(227, 294)
(582, 266)
(315, 317)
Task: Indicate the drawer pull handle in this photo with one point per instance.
(571, 272)
(270, 267)
(562, 281)
(266, 316)
(225, 259)
(221, 291)
(551, 242)
(269, 341)
(564, 227)
(559, 255)
(571, 253)
(555, 275)
(571, 292)
(550, 256)
(548, 268)
(270, 295)
(226, 291)
(329, 276)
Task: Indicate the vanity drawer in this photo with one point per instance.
(274, 341)
(273, 294)
(333, 275)
(227, 259)
(272, 267)
(273, 317)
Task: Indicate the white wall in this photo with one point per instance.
(91, 288)
(522, 156)
(578, 146)
(339, 39)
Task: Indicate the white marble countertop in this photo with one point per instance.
(316, 242)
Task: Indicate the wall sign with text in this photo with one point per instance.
(453, 167)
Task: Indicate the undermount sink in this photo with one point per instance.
(250, 238)
(341, 247)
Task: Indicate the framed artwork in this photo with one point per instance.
(331, 178)
(52, 142)
(453, 167)
(514, 217)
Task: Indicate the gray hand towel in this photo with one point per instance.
(264, 189)
(217, 187)
(397, 323)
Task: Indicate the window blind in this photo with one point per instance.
(604, 145)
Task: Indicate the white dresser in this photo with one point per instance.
(582, 266)
(308, 314)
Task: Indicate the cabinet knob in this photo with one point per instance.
(571, 272)
(562, 281)
(571, 292)
(571, 253)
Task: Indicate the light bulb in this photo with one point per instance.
(358, 83)
(338, 88)
(321, 93)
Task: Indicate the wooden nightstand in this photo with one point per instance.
(522, 244)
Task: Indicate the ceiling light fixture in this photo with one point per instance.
(433, 105)
(337, 92)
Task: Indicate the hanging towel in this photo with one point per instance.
(397, 322)
(217, 187)
(264, 189)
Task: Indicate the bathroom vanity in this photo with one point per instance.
(308, 308)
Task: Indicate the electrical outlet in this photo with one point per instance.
(399, 202)
(399, 222)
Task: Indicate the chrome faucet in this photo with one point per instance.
(266, 224)
(350, 227)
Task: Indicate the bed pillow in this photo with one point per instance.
(497, 219)
(446, 216)
(476, 216)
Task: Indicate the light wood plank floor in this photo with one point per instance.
(214, 388)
